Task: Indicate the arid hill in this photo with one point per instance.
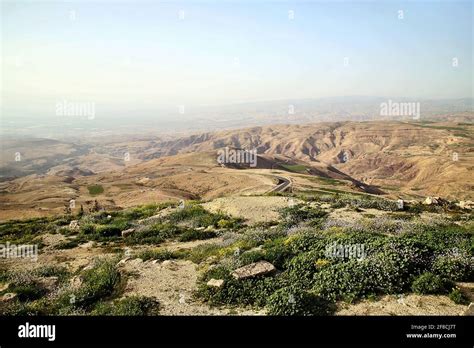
(409, 160)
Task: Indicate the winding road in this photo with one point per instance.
(283, 184)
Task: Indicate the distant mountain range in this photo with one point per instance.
(191, 118)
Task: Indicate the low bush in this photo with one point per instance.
(429, 283)
(99, 282)
(458, 297)
(202, 252)
(457, 267)
(157, 254)
(128, 306)
(302, 268)
(196, 216)
(193, 234)
(292, 216)
(24, 231)
(290, 301)
(277, 253)
(52, 271)
(254, 292)
(251, 256)
(154, 234)
(28, 292)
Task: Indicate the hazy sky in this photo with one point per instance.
(141, 54)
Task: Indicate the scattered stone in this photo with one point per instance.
(127, 232)
(160, 214)
(49, 282)
(217, 283)
(4, 287)
(87, 245)
(172, 265)
(470, 310)
(431, 200)
(466, 204)
(123, 261)
(8, 297)
(211, 259)
(88, 267)
(136, 261)
(200, 228)
(143, 181)
(254, 269)
(109, 217)
(74, 225)
(75, 282)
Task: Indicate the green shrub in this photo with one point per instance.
(290, 301)
(144, 211)
(389, 271)
(72, 243)
(196, 215)
(443, 238)
(429, 283)
(277, 253)
(128, 306)
(28, 292)
(251, 256)
(306, 242)
(87, 228)
(253, 291)
(193, 234)
(98, 282)
(229, 223)
(95, 189)
(52, 271)
(159, 254)
(24, 231)
(302, 268)
(108, 231)
(458, 297)
(154, 234)
(343, 281)
(202, 252)
(455, 267)
(25, 285)
(292, 216)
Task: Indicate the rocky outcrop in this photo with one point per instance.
(127, 232)
(216, 283)
(253, 270)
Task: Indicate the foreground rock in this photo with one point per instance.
(49, 282)
(127, 232)
(74, 225)
(216, 283)
(4, 287)
(253, 270)
(8, 297)
(431, 200)
(470, 310)
(466, 204)
(75, 282)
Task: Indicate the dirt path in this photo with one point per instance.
(404, 305)
(252, 208)
(172, 283)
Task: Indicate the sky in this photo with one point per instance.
(143, 55)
